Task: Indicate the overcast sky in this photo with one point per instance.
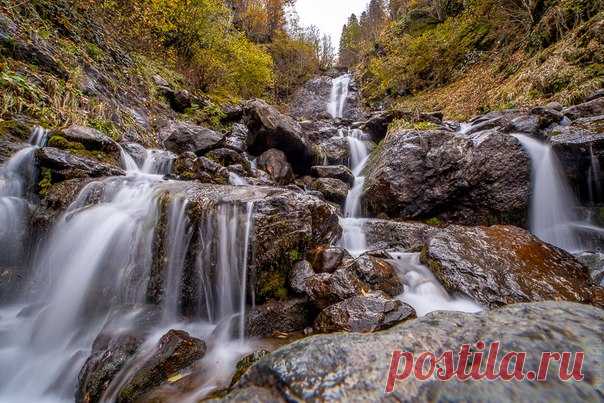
(329, 15)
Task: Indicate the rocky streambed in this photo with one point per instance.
(192, 271)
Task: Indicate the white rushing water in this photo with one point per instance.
(17, 177)
(553, 215)
(338, 96)
(98, 260)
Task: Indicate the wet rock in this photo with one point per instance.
(246, 362)
(60, 195)
(325, 289)
(285, 225)
(480, 179)
(113, 348)
(396, 235)
(363, 313)
(137, 152)
(579, 148)
(594, 107)
(279, 317)
(504, 265)
(347, 367)
(271, 129)
(175, 351)
(377, 273)
(327, 259)
(64, 165)
(297, 278)
(334, 190)
(180, 137)
(377, 124)
(275, 163)
(340, 172)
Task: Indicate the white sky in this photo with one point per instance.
(329, 15)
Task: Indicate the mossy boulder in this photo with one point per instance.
(503, 265)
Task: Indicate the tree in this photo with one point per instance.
(328, 55)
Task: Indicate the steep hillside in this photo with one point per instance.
(473, 57)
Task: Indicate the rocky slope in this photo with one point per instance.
(250, 215)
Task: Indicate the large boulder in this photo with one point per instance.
(355, 367)
(504, 265)
(377, 273)
(180, 137)
(336, 150)
(269, 128)
(274, 162)
(479, 179)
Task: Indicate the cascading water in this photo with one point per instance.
(422, 290)
(17, 177)
(339, 95)
(552, 211)
(99, 258)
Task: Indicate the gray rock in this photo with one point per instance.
(91, 138)
(340, 172)
(336, 150)
(279, 317)
(377, 273)
(271, 129)
(363, 313)
(176, 350)
(594, 107)
(180, 137)
(355, 367)
(325, 289)
(504, 265)
(478, 179)
(65, 165)
(274, 162)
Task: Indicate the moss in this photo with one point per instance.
(75, 148)
(14, 128)
(404, 124)
(434, 221)
(94, 51)
(105, 126)
(45, 182)
(245, 363)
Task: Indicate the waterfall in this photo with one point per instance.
(594, 181)
(99, 260)
(553, 215)
(423, 291)
(17, 178)
(339, 95)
